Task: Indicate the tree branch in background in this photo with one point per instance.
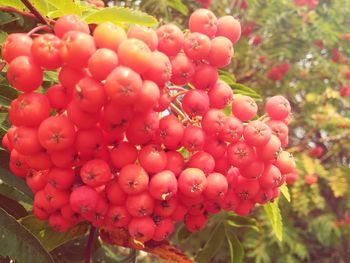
(35, 12)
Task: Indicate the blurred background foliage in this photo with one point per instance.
(300, 49)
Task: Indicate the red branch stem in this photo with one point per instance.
(14, 10)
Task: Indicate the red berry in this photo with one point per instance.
(229, 27)
(163, 185)
(133, 179)
(192, 182)
(140, 205)
(142, 229)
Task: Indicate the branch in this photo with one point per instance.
(90, 244)
(35, 12)
(14, 10)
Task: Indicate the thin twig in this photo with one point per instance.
(38, 28)
(35, 12)
(90, 244)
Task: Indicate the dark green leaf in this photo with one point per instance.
(121, 15)
(49, 238)
(12, 207)
(8, 92)
(18, 243)
(72, 251)
(274, 214)
(182, 233)
(213, 244)
(178, 5)
(110, 253)
(235, 246)
(15, 182)
(16, 195)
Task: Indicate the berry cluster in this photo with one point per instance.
(277, 72)
(103, 145)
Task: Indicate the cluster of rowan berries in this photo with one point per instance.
(105, 144)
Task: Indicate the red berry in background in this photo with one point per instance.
(192, 182)
(316, 151)
(291, 178)
(109, 35)
(311, 179)
(204, 3)
(17, 44)
(228, 26)
(133, 179)
(275, 74)
(70, 23)
(24, 74)
(247, 27)
(170, 39)
(256, 40)
(244, 108)
(142, 229)
(344, 91)
(203, 21)
(102, 62)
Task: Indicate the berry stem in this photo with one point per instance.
(38, 28)
(34, 11)
(177, 88)
(90, 244)
(179, 94)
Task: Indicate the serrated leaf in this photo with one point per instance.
(178, 5)
(18, 243)
(212, 245)
(285, 192)
(182, 234)
(49, 238)
(235, 246)
(274, 214)
(64, 7)
(121, 15)
(338, 183)
(15, 182)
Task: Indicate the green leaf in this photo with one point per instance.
(8, 92)
(227, 77)
(235, 246)
(41, 6)
(274, 214)
(182, 234)
(244, 90)
(178, 5)
(121, 15)
(285, 192)
(239, 221)
(15, 182)
(12, 207)
(18, 243)
(13, 3)
(49, 238)
(213, 244)
(51, 76)
(64, 7)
